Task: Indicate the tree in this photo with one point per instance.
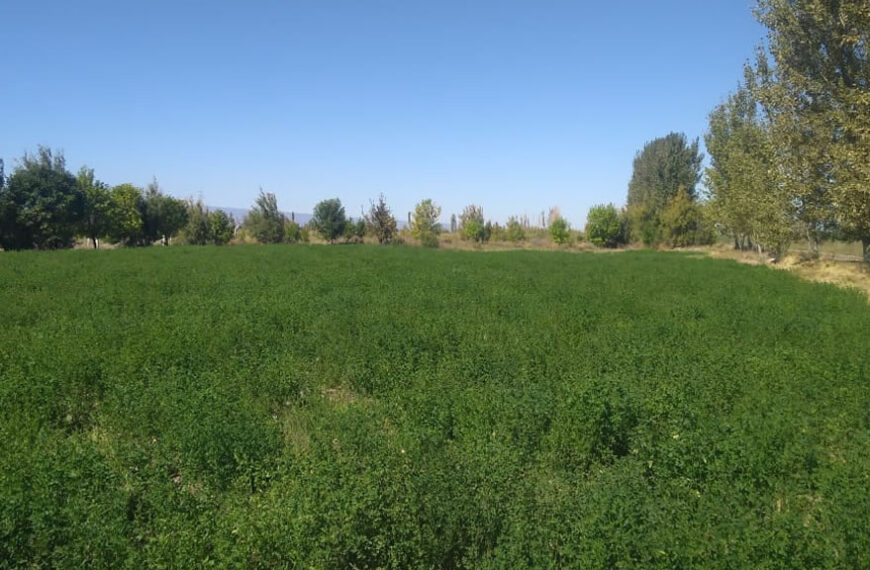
(162, 216)
(514, 231)
(41, 205)
(197, 231)
(126, 208)
(683, 222)
(604, 226)
(97, 207)
(815, 92)
(329, 219)
(381, 222)
(222, 227)
(472, 225)
(264, 221)
(424, 224)
(749, 191)
(559, 231)
(662, 166)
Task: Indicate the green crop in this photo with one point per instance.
(363, 407)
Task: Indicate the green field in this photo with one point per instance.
(365, 407)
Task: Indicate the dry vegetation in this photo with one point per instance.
(839, 270)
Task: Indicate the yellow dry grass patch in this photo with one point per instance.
(854, 274)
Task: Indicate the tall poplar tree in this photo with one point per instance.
(816, 88)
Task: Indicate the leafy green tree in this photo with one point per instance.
(41, 205)
(604, 226)
(472, 225)
(560, 231)
(424, 223)
(815, 91)
(198, 230)
(222, 226)
(329, 219)
(749, 191)
(739, 173)
(97, 209)
(683, 222)
(162, 216)
(662, 166)
(514, 230)
(264, 221)
(381, 222)
(126, 208)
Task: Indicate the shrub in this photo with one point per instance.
(560, 231)
(424, 224)
(604, 226)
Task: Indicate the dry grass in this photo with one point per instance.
(844, 273)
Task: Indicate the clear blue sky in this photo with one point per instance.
(517, 106)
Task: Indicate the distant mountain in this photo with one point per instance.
(239, 214)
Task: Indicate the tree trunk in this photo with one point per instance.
(812, 243)
(865, 248)
(96, 244)
(736, 242)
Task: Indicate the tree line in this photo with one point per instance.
(789, 149)
(44, 206)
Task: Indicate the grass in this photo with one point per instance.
(341, 407)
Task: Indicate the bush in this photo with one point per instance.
(264, 221)
(604, 226)
(560, 231)
(472, 226)
(514, 231)
(683, 222)
(424, 224)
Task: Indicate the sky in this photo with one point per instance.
(516, 106)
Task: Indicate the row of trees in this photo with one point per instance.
(44, 206)
(663, 206)
(790, 149)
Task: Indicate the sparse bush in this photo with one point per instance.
(381, 223)
(264, 222)
(472, 225)
(560, 231)
(514, 231)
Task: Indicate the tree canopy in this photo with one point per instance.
(329, 219)
(264, 221)
(663, 166)
(424, 224)
(815, 86)
(41, 205)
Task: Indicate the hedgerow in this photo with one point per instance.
(411, 408)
